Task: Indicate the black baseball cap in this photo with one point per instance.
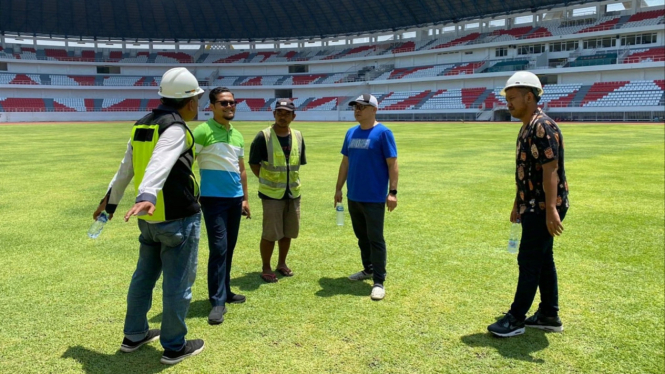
(286, 104)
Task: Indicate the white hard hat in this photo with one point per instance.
(179, 83)
(523, 79)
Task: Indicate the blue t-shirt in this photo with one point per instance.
(367, 150)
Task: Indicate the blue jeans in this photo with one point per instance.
(367, 220)
(171, 247)
(222, 218)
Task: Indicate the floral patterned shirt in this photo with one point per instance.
(538, 143)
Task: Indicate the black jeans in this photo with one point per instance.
(367, 220)
(222, 220)
(537, 269)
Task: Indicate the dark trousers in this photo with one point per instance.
(222, 220)
(367, 220)
(537, 269)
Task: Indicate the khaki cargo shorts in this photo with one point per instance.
(281, 219)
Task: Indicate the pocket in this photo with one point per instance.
(170, 233)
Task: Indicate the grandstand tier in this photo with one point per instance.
(615, 59)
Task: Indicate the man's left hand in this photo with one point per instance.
(391, 202)
(554, 225)
(245, 209)
(100, 208)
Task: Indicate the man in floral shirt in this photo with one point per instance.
(541, 203)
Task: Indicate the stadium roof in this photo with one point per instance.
(253, 20)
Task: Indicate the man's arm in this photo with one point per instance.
(393, 175)
(171, 144)
(341, 178)
(256, 151)
(118, 185)
(550, 177)
(514, 214)
(255, 169)
(243, 181)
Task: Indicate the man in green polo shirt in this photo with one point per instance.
(220, 150)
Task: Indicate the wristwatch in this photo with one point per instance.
(393, 192)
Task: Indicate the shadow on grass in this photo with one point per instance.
(250, 281)
(518, 348)
(197, 309)
(144, 360)
(342, 286)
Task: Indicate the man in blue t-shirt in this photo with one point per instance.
(370, 166)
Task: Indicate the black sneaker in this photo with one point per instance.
(542, 322)
(130, 346)
(191, 348)
(235, 298)
(507, 326)
(216, 315)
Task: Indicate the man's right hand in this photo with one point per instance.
(514, 215)
(338, 197)
(101, 208)
(144, 207)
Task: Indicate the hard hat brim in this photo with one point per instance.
(198, 92)
(503, 91)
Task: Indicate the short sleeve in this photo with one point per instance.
(241, 147)
(345, 145)
(258, 151)
(200, 134)
(545, 142)
(388, 146)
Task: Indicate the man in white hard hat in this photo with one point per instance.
(540, 204)
(159, 155)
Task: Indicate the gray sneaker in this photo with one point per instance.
(539, 321)
(361, 275)
(216, 315)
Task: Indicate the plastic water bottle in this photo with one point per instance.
(98, 225)
(340, 214)
(515, 235)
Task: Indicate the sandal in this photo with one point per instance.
(269, 277)
(285, 271)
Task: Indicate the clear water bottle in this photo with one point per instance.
(515, 236)
(98, 225)
(340, 214)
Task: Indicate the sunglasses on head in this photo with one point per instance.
(226, 103)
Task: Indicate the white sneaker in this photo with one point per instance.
(361, 275)
(378, 292)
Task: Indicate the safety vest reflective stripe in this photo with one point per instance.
(281, 169)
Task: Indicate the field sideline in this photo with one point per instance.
(62, 295)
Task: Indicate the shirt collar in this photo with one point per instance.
(535, 115)
(212, 119)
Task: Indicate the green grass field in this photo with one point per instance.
(62, 295)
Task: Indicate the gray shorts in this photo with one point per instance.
(281, 219)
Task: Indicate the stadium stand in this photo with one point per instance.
(644, 55)
(601, 94)
(420, 73)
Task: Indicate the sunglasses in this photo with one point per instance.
(360, 107)
(226, 103)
